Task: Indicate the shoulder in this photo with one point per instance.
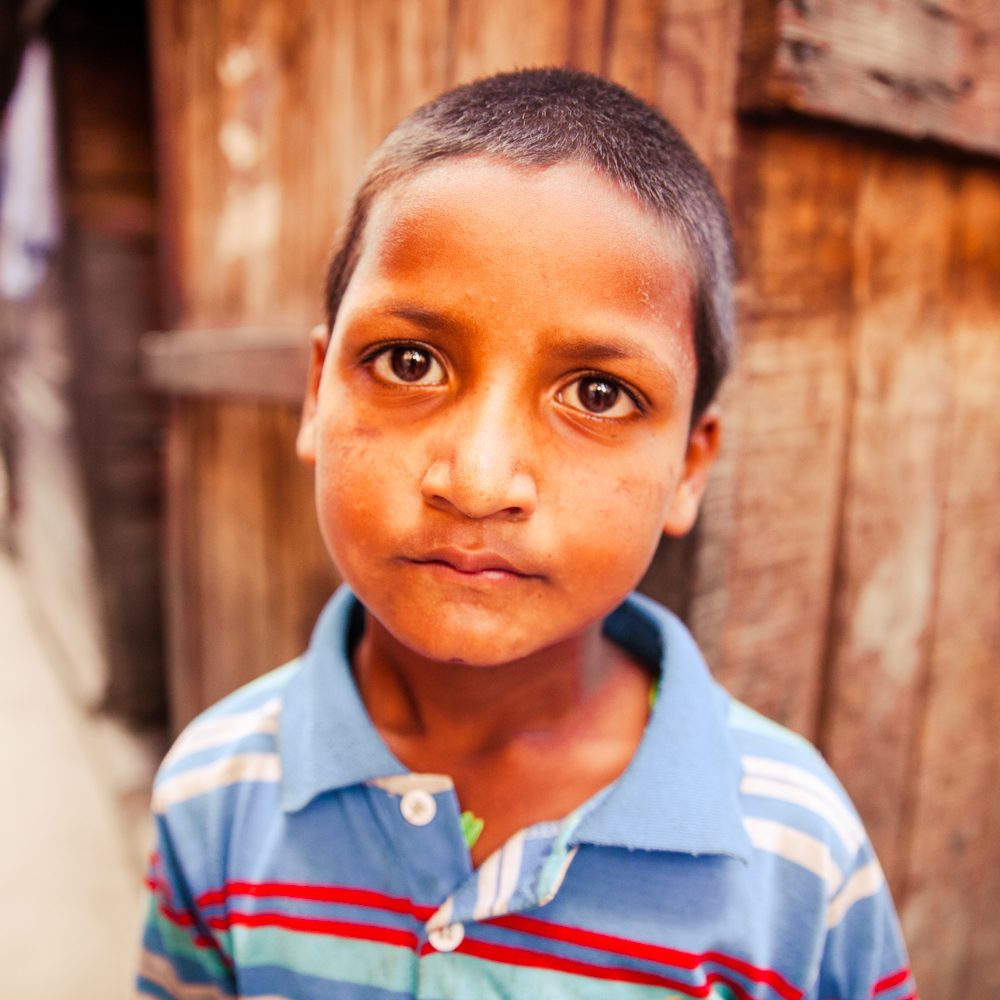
(794, 807)
(232, 742)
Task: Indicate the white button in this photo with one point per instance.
(447, 938)
(418, 807)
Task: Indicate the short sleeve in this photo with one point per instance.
(181, 957)
(865, 957)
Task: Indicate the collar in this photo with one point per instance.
(326, 739)
(681, 790)
(679, 793)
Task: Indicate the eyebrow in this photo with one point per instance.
(569, 349)
(426, 318)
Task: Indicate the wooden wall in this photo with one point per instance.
(81, 427)
(845, 577)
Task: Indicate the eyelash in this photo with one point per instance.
(371, 357)
(637, 401)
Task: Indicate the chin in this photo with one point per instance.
(478, 640)
(478, 652)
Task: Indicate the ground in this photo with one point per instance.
(70, 871)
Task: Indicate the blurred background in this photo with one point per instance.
(171, 177)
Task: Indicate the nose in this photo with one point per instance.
(482, 460)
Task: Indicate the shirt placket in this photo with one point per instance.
(422, 816)
(523, 874)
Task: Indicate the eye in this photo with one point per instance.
(599, 396)
(407, 364)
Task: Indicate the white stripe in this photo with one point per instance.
(218, 732)
(442, 917)
(228, 771)
(795, 846)
(161, 972)
(550, 891)
(768, 768)
(863, 883)
(487, 886)
(769, 789)
(400, 784)
(510, 871)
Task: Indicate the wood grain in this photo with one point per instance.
(950, 913)
(894, 486)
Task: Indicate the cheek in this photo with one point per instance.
(619, 522)
(350, 466)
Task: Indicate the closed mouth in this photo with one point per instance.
(472, 562)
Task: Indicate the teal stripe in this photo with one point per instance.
(458, 977)
(743, 717)
(339, 960)
(177, 941)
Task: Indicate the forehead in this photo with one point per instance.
(556, 247)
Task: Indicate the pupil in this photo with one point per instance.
(409, 363)
(598, 395)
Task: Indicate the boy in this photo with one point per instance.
(495, 773)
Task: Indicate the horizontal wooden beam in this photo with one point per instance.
(918, 68)
(247, 363)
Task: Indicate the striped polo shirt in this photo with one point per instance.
(298, 858)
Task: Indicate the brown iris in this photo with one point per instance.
(410, 363)
(598, 394)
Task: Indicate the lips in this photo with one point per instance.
(475, 563)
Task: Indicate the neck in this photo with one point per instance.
(477, 710)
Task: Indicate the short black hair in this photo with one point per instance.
(541, 117)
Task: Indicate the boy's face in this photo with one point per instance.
(500, 418)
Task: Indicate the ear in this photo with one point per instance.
(702, 448)
(305, 442)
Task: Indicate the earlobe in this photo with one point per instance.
(702, 449)
(305, 441)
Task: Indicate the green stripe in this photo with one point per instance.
(177, 941)
(362, 963)
(743, 717)
(445, 977)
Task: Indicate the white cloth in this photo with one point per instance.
(30, 225)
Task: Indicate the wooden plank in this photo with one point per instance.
(764, 572)
(266, 365)
(697, 86)
(488, 37)
(950, 914)
(247, 568)
(893, 488)
(272, 109)
(921, 69)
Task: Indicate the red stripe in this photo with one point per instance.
(893, 979)
(316, 893)
(649, 952)
(315, 925)
(178, 917)
(909, 996)
(529, 925)
(186, 921)
(535, 960)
